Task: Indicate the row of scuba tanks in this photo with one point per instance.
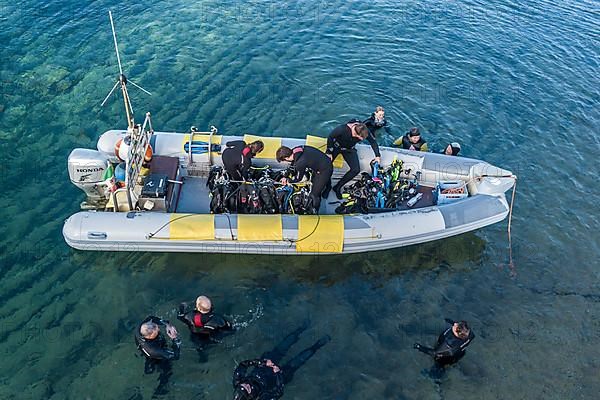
(260, 194)
(381, 191)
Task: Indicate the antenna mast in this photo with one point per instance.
(122, 79)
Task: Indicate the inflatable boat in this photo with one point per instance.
(178, 217)
(147, 191)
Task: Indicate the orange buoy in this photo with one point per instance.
(148, 155)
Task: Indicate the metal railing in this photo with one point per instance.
(140, 140)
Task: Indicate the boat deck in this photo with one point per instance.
(194, 198)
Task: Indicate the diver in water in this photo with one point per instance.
(263, 378)
(450, 346)
(153, 346)
(452, 149)
(303, 157)
(237, 158)
(377, 121)
(412, 141)
(204, 324)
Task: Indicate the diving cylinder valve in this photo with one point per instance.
(87, 169)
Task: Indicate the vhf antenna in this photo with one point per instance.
(122, 80)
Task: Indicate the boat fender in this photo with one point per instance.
(122, 148)
(149, 154)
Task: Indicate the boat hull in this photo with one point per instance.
(148, 231)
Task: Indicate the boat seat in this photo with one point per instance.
(122, 203)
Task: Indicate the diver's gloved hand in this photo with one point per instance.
(448, 320)
(172, 332)
(182, 307)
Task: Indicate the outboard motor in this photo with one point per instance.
(86, 171)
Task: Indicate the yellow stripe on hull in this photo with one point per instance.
(257, 228)
(192, 227)
(320, 234)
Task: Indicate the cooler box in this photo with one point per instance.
(155, 186)
(445, 198)
(154, 192)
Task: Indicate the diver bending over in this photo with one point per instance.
(303, 157)
(262, 378)
(237, 158)
(342, 140)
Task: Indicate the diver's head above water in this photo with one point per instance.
(203, 304)
(461, 330)
(149, 330)
(414, 135)
(379, 115)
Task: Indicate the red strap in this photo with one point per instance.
(298, 149)
(246, 151)
(198, 320)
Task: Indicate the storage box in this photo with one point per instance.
(445, 198)
(155, 186)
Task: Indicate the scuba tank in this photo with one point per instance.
(414, 200)
(379, 199)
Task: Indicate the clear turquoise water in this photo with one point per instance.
(517, 83)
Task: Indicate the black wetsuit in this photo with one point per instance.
(310, 157)
(341, 141)
(267, 384)
(203, 324)
(375, 125)
(157, 353)
(406, 144)
(448, 349)
(237, 160)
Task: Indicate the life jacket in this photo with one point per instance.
(406, 143)
(198, 320)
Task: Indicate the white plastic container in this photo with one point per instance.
(445, 198)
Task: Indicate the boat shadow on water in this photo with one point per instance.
(451, 254)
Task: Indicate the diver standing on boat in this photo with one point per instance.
(303, 157)
(153, 346)
(342, 141)
(237, 158)
(450, 347)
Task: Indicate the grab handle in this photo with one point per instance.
(96, 235)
